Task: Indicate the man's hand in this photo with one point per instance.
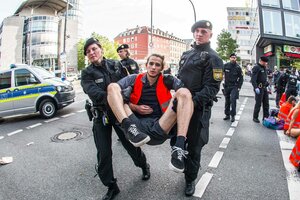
(257, 91)
(141, 109)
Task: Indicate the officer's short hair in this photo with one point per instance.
(233, 54)
(264, 59)
(201, 24)
(89, 42)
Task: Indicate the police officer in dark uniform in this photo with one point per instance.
(260, 83)
(94, 81)
(281, 85)
(291, 87)
(233, 82)
(201, 71)
(130, 64)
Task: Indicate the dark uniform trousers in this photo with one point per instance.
(278, 96)
(262, 98)
(231, 95)
(103, 142)
(292, 90)
(197, 137)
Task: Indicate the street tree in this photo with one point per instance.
(226, 45)
(108, 47)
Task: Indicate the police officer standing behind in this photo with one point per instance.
(201, 71)
(94, 81)
(260, 83)
(124, 53)
(233, 82)
(291, 87)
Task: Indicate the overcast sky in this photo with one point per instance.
(110, 17)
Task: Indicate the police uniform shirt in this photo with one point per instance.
(130, 65)
(292, 81)
(259, 76)
(233, 75)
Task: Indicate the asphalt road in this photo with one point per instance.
(243, 160)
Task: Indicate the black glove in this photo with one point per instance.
(126, 94)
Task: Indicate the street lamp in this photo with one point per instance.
(151, 38)
(64, 54)
(193, 9)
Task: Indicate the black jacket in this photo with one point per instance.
(259, 76)
(130, 65)
(233, 75)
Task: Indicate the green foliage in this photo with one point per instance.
(226, 45)
(109, 49)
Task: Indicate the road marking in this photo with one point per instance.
(241, 109)
(51, 120)
(245, 100)
(202, 184)
(216, 159)
(240, 112)
(68, 115)
(237, 117)
(230, 131)
(15, 132)
(33, 126)
(235, 123)
(293, 178)
(80, 111)
(224, 143)
(1, 137)
(243, 106)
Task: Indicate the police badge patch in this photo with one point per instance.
(218, 74)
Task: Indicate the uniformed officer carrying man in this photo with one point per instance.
(94, 81)
(291, 87)
(201, 71)
(281, 85)
(260, 83)
(124, 53)
(233, 82)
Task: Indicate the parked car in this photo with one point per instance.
(27, 89)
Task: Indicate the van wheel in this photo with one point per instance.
(47, 109)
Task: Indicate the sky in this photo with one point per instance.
(110, 17)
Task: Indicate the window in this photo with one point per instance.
(5, 80)
(291, 4)
(272, 22)
(24, 77)
(292, 25)
(271, 3)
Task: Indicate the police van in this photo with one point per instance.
(27, 89)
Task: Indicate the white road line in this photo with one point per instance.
(243, 106)
(68, 115)
(202, 184)
(224, 143)
(80, 111)
(245, 100)
(239, 113)
(237, 117)
(216, 159)
(51, 120)
(230, 131)
(235, 123)
(241, 109)
(15, 132)
(1, 137)
(33, 126)
(293, 178)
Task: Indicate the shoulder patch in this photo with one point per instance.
(218, 74)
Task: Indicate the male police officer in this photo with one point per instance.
(281, 84)
(260, 83)
(233, 82)
(94, 81)
(201, 71)
(130, 64)
(291, 87)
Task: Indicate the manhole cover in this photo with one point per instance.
(67, 136)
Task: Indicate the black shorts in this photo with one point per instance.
(152, 128)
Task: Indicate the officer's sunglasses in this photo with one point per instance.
(155, 63)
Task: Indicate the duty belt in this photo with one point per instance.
(260, 85)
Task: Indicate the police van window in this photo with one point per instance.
(24, 77)
(5, 80)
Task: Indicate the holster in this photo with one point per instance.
(88, 108)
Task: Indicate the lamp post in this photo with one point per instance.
(193, 9)
(151, 36)
(64, 54)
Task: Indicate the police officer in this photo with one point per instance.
(130, 64)
(201, 71)
(94, 81)
(281, 84)
(291, 87)
(260, 83)
(233, 82)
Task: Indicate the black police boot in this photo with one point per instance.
(227, 117)
(112, 191)
(146, 172)
(189, 188)
(232, 118)
(256, 120)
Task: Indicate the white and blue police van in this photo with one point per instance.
(27, 89)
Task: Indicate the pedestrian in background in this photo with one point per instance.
(94, 81)
(233, 75)
(201, 71)
(260, 83)
(124, 53)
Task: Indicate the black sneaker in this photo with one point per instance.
(227, 117)
(136, 137)
(177, 159)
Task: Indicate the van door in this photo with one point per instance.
(25, 91)
(6, 103)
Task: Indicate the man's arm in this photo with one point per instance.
(241, 78)
(255, 71)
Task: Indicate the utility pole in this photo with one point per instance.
(65, 67)
(151, 36)
(193, 9)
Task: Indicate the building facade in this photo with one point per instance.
(36, 35)
(279, 35)
(241, 25)
(142, 43)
